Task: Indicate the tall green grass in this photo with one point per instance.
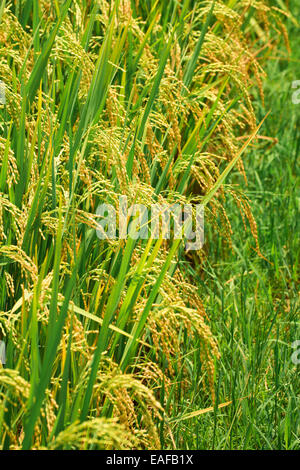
(143, 99)
(253, 303)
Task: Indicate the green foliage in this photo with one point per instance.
(145, 99)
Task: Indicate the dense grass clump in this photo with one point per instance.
(109, 344)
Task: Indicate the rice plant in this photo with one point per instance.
(152, 100)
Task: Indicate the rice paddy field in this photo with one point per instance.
(125, 339)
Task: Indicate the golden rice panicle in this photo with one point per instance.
(101, 433)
